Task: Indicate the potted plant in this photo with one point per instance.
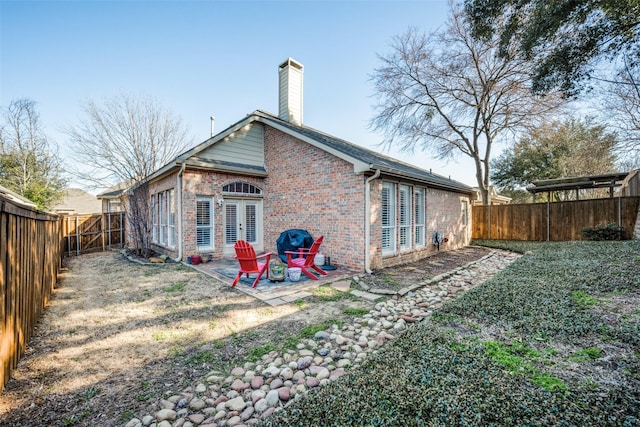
(196, 259)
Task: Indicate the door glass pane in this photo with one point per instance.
(231, 221)
(250, 223)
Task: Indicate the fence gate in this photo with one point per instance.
(93, 233)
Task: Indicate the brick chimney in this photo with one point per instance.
(290, 87)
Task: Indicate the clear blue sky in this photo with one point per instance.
(209, 58)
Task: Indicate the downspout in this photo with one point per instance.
(367, 221)
(179, 209)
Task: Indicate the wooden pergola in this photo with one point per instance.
(609, 180)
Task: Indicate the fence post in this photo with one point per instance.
(619, 211)
(78, 237)
(66, 232)
(102, 224)
(488, 222)
(548, 216)
(122, 231)
(109, 229)
(621, 232)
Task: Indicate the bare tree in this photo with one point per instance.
(138, 213)
(451, 94)
(622, 112)
(125, 139)
(29, 164)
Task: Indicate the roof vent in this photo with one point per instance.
(290, 87)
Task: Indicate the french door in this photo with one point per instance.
(242, 221)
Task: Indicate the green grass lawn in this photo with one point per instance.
(552, 340)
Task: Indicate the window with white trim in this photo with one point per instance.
(114, 206)
(163, 218)
(419, 217)
(162, 206)
(171, 218)
(242, 188)
(405, 217)
(388, 209)
(204, 223)
(465, 213)
(154, 218)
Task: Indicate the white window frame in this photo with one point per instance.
(419, 216)
(209, 226)
(163, 219)
(405, 217)
(114, 206)
(154, 218)
(171, 218)
(388, 229)
(162, 209)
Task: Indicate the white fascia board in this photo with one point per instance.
(196, 164)
(162, 171)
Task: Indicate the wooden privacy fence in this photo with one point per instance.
(555, 221)
(30, 255)
(93, 232)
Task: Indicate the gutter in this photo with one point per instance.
(367, 221)
(179, 209)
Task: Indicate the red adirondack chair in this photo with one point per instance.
(305, 259)
(246, 256)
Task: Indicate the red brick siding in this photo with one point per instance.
(311, 189)
(198, 183)
(443, 213)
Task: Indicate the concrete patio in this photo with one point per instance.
(274, 293)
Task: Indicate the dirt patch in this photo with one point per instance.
(118, 336)
(396, 278)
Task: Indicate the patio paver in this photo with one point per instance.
(342, 285)
(275, 301)
(366, 295)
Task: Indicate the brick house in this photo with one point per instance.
(266, 174)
